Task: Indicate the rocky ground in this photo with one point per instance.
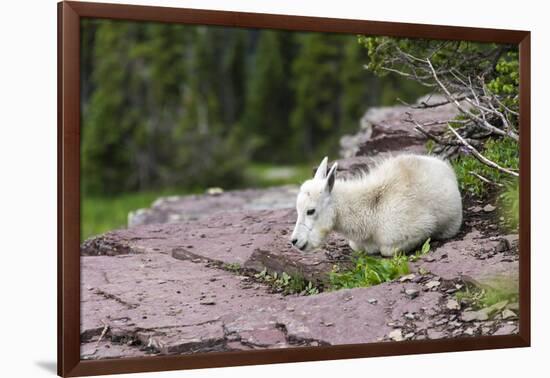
(185, 277)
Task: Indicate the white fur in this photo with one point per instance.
(400, 203)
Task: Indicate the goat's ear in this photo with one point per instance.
(321, 171)
(331, 177)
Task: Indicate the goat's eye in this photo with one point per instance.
(310, 212)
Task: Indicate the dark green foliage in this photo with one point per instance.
(270, 96)
(108, 127)
(332, 91)
(316, 73)
(506, 82)
(156, 117)
(357, 86)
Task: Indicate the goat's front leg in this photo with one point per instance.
(368, 248)
(356, 247)
(404, 246)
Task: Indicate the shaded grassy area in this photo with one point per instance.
(264, 175)
(496, 290)
(101, 214)
(504, 152)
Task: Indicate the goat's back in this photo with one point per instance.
(418, 192)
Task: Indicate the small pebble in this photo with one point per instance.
(411, 293)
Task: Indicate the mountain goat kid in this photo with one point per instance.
(393, 208)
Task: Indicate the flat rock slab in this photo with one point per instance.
(254, 239)
(150, 303)
(160, 289)
(161, 304)
(260, 239)
(475, 258)
(194, 207)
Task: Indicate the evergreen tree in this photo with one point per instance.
(208, 151)
(234, 75)
(358, 86)
(269, 96)
(114, 120)
(317, 71)
(186, 106)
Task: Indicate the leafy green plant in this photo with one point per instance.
(232, 267)
(506, 82)
(286, 283)
(262, 274)
(310, 289)
(369, 271)
(422, 251)
(430, 145)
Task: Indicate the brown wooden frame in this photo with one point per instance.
(69, 14)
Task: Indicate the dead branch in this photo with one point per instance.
(485, 179)
(103, 333)
(432, 136)
(420, 128)
(461, 80)
(481, 121)
(424, 105)
(482, 159)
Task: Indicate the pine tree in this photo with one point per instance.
(317, 71)
(113, 122)
(270, 96)
(358, 86)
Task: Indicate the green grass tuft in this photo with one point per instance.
(369, 271)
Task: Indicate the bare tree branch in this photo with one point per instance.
(480, 157)
(482, 121)
(485, 179)
(459, 76)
